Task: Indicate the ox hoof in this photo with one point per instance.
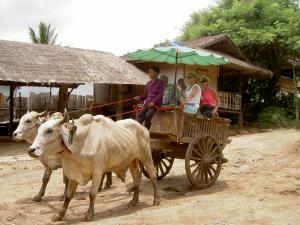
(133, 203)
(107, 186)
(89, 216)
(130, 189)
(56, 218)
(156, 202)
(37, 198)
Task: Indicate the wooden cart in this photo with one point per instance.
(198, 140)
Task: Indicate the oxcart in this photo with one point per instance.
(198, 140)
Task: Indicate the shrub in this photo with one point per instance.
(273, 117)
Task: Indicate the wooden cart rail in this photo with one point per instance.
(182, 127)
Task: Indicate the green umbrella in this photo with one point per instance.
(177, 55)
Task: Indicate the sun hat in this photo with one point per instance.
(204, 79)
(192, 75)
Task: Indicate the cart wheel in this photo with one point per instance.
(162, 164)
(203, 161)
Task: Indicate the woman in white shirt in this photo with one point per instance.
(192, 94)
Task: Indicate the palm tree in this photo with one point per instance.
(46, 35)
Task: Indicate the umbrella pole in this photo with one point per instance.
(176, 66)
(175, 79)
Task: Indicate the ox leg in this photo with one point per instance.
(101, 183)
(108, 180)
(46, 177)
(136, 176)
(72, 186)
(66, 182)
(148, 164)
(93, 193)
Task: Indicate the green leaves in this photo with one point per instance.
(46, 35)
(249, 22)
(268, 31)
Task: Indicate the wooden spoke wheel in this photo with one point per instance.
(162, 164)
(203, 161)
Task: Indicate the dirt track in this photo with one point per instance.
(259, 185)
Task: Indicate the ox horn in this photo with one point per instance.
(65, 118)
(41, 114)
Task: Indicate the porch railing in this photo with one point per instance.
(230, 100)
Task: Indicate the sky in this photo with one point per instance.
(116, 26)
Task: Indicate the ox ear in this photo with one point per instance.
(68, 133)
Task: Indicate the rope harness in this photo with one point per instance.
(136, 109)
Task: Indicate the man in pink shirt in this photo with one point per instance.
(153, 97)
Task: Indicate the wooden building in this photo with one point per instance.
(226, 79)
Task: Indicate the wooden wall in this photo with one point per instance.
(41, 102)
(169, 71)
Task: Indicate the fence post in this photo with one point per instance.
(11, 110)
(20, 105)
(240, 117)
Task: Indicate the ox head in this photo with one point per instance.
(48, 143)
(28, 126)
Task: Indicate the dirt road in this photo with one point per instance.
(259, 185)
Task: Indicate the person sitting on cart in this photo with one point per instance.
(169, 95)
(180, 90)
(153, 97)
(192, 94)
(209, 99)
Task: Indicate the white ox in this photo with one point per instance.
(99, 145)
(27, 131)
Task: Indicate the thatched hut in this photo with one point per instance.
(26, 64)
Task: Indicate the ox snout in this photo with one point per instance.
(32, 151)
(15, 136)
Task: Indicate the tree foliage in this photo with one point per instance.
(46, 34)
(268, 31)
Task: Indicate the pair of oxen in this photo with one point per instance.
(86, 149)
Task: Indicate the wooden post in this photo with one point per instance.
(295, 91)
(240, 119)
(62, 98)
(119, 105)
(11, 110)
(20, 105)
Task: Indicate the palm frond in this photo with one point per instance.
(43, 33)
(47, 34)
(32, 36)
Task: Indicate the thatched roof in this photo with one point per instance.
(223, 45)
(36, 64)
(219, 42)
